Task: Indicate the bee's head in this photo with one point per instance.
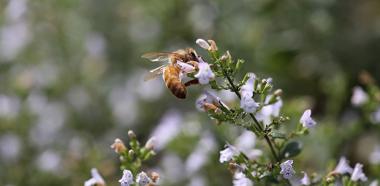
(193, 56)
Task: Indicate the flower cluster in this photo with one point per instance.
(343, 168)
(131, 159)
(142, 179)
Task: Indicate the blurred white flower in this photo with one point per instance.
(173, 168)
(142, 179)
(374, 183)
(202, 43)
(248, 104)
(167, 129)
(287, 170)
(9, 106)
(185, 68)
(343, 166)
(127, 178)
(241, 180)
(197, 181)
(306, 120)
(13, 38)
(49, 161)
(359, 97)
(305, 180)
(123, 104)
(10, 146)
(95, 44)
(246, 143)
(149, 90)
(78, 97)
(15, 10)
(96, 179)
(374, 157)
(358, 174)
(375, 116)
(228, 153)
(200, 154)
(205, 73)
(50, 119)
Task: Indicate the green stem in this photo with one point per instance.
(258, 126)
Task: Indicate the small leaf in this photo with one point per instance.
(277, 135)
(291, 149)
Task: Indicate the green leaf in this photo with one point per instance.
(277, 135)
(291, 149)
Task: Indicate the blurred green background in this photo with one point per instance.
(71, 81)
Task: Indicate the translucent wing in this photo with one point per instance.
(154, 73)
(157, 56)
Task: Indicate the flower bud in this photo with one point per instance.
(131, 153)
(154, 176)
(131, 134)
(278, 92)
(211, 107)
(203, 44)
(213, 46)
(150, 143)
(118, 146)
(226, 56)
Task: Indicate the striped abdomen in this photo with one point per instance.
(173, 82)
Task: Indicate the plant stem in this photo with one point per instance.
(267, 139)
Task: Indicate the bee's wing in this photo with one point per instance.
(157, 56)
(154, 73)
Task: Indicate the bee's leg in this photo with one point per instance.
(192, 82)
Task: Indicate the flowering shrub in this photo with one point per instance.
(259, 113)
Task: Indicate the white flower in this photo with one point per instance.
(212, 99)
(205, 73)
(96, 179)
(207, 97)
(247, 88)
(306, 120)
(248, 104)
(343, 166)
(127, 178)
(267, 112)
(374, 183)
(374, 157)
(227, 154)
(359, 97)
(305, 180)
(185, 68)
(241, 180)
(202, 43)
(358, 174)
(142, 179)
(287, 170)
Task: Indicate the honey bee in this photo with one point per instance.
(183, 60)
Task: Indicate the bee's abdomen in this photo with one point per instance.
(173, 82)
